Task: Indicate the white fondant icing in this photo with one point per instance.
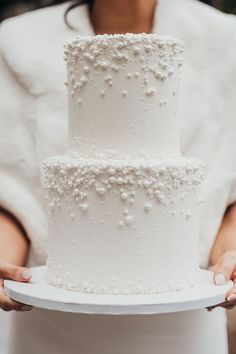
(134, 80)
(123, 205)
(140, 243)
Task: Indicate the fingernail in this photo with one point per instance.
(220, 279)
(26, 308)
(231, 297)
(26, 274)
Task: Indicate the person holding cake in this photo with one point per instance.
(33, 108)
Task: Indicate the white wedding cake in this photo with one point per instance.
(123, 203)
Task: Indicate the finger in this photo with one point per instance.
(8, 304)
(10, 271)
(211, 308)
(213, 267)
(233, 276)
(228, 305)
(221, 304)
(231, 294)
(225, 268)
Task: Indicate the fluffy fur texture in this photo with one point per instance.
(33, 110)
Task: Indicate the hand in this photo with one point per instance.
(10, 271)
(224, 271)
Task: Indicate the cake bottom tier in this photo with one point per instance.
(122, 227)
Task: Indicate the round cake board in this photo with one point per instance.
(38, 293)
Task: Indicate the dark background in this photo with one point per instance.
(13, 7)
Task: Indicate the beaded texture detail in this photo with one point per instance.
(68, 179)
(131, 76)
(107, 207)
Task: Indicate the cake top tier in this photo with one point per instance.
(123, 95)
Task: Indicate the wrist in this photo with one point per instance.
(229, 242)
(14, 244)
(226, 243)
(226, 237)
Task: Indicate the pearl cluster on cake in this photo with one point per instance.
(72, 180)
(90, 52)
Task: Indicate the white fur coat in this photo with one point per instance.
(33, 110)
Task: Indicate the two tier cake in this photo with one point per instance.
(123, 203)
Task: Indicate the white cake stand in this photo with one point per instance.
(39, 294)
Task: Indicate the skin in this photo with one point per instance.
(116, 16)
(14, 248)
(223, 256)
(123, 16)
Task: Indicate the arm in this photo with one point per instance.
(14, 247)
(226, 237)
(14, 244)
(20, 189)
(223, 254)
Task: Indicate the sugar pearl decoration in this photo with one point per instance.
(104, 65)
(120, 180)
(111, 171)
(150, 91)
(137, 50)
(83, 80)
(86, 69)
(101, 190)
(124, 196)
(128, 219)
(147, 207)
(126, 211)
(188, 215)
(121, 223)
(112, 180)
(84, 206)
(115, 68)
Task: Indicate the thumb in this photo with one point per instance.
(225, 268)
(10, 271)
